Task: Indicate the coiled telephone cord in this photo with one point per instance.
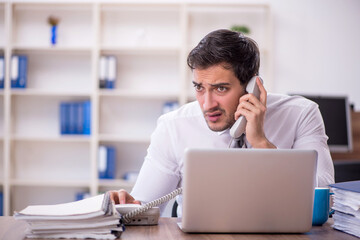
(127, 217)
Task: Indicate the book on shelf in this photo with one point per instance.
(107, 71)
(1, 204)
(87, 117)
(107, 162)
(2, 72)
(94, 217)
(347, 207)
(75, 117)
(170, 106)
(102, 71)
(82, 195)
(111, 76)
(18, 73)
(72, 125)
(131, 176)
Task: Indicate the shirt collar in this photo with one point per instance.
(223, 132)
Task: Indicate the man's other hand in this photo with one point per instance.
(122, 197)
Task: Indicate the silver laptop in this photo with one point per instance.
(248, 190)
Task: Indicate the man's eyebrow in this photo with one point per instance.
(219, 84)
(213, 85)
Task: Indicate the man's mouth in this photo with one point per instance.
(213, 117)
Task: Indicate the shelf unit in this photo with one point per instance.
(151, 41)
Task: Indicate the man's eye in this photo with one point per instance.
(221, 89)
(198, 88)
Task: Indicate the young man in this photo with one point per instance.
(222, 64)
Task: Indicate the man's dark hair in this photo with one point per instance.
(231, 49)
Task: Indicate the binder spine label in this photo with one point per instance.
(102, 162)
(102, 71)
(111, 72)
(14, 71)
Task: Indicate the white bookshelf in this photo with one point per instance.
(151, 41)
(2, 27)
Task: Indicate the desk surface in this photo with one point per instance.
(168, 229)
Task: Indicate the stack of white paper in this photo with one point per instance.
(93, 217)
(347, 207)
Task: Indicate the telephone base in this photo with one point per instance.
(143, 221)
(150, 217)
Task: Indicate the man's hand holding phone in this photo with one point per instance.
(254, 109)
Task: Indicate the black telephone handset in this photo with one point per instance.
(239, 126)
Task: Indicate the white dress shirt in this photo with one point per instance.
(291, 122)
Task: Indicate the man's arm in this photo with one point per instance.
(311, 135)
(159, 173)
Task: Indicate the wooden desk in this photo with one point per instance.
(10, 229)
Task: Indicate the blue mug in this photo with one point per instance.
(321, 208)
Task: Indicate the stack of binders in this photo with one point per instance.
(75, 117)
(18, 72)
(107, 162)
(94, 217)
(107, 71)
(347, 207)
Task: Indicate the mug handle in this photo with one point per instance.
(332, 210)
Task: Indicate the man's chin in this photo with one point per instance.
(217, 128)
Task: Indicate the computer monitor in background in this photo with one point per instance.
(335, 111)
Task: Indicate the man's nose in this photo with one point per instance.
(209, 101)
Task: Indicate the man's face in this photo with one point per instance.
(218, 92)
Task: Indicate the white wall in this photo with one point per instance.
(317, 47)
